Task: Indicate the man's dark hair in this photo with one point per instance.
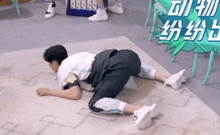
(57, 53)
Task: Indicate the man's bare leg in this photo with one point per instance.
(129, 109)
(175, 80)
(160, 77)
(99, 2)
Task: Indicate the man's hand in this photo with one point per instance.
(44, 91)
(73, 93)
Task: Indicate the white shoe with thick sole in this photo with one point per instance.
(100, 15)
(117, 8)
(144, 116)
(50, 11)
(176, 80)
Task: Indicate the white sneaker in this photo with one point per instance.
(100, 15)
(50, 11)
(176, 80)
(183, 79)
(117, 8)
(144, 115)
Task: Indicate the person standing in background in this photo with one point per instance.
(101, 14)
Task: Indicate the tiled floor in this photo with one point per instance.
(32, 30)
(23, 112)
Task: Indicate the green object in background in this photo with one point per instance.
(158, 9)
(203, 46)
(16, 6)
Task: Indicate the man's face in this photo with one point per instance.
(54, 65)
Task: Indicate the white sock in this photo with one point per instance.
(147, 72)
(101, 6)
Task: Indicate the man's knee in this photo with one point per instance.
(94, 109)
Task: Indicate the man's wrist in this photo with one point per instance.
(49, 92)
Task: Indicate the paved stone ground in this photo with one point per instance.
(23, 112)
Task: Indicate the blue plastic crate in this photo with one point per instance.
(78, 12)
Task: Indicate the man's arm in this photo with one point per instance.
(72, 93)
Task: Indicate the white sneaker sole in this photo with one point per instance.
(182, 73)
(48, 16)
(111, 9)
(98, 20)
(146, 120)
(178, 83)
(183, 79)
(154, 112)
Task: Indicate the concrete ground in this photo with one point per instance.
(23, 112)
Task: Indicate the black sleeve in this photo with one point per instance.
(71, 84)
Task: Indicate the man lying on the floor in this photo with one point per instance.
(108, 72)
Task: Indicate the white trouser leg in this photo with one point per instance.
(147, 72)
(110, 105)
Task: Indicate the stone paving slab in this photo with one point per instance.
(23, 112)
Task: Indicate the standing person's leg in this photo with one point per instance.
(175, 80)
(117, 7)
(51, 10)
(101, 14)
(113, 82)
